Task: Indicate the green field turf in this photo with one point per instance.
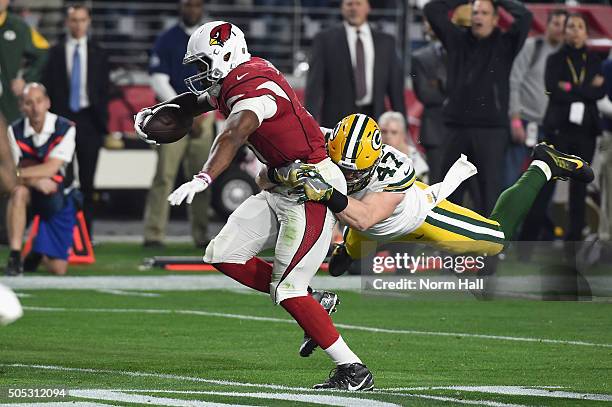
(199, 347)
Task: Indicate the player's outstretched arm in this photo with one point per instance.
(238, 127)
(360, 214)
(374, 207)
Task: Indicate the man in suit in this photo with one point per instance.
(429, 80)
(353, 68)
(80, 95)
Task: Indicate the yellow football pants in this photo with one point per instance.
(448, 226)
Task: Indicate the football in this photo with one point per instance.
(10, 308)
(167, 124)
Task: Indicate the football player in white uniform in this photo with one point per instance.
(385, 203)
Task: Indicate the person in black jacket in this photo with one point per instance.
(80, 95)
(574, 83)
(479, 62)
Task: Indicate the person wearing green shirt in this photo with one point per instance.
(20, 46)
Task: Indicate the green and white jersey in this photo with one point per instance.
(395, 173)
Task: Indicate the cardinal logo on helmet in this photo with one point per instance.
(220, 34)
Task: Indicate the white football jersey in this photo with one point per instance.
(395, 173)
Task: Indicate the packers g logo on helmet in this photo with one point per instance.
(355, 146)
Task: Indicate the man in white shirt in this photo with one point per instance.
(42, 146)
(353, 68)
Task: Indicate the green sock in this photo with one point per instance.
(514, 203)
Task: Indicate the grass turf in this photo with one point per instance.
(81, 333)
(133, 349)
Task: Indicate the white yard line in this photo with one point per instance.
(128, 293)
(343, 326)
(313, 396)
(324, 399)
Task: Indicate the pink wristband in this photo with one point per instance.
(516, 123)
(203, 175)
(568, 86)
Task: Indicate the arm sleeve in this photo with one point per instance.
(36, 52)
(263, 106)
(522, 22)
(64, 150)
(437, 12)
(15, 151)
(313, 97)
(160, 82)
(519, 69)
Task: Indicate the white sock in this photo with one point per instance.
(341, 354)
(544, 167)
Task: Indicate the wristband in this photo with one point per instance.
(272, 175)
(337, 202)
(568, 86)
(517, 123)
(203, 175)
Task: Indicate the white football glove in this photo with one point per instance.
(144, 116)
(199, 183)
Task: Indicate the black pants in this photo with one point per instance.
(535, 224)
(485, 148)
(435, 161)
(89, 140)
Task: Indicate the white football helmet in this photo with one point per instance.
(216, 48)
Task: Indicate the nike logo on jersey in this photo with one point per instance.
(238, 77)
(352, 388)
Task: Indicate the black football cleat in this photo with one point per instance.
(351, 377)
(340, 261)
(563, 166)
(329, 301)
(14, 267)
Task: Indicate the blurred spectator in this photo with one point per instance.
(352, 69)
(167, 75)
(19, 44)
(429, 83)
(77, 79)
(528, 98)
(7, 165)
(574, 84)
(479, 64)
(605, 148)
(528, 102)
(43, 146)
(22, 56)
(395, 134)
